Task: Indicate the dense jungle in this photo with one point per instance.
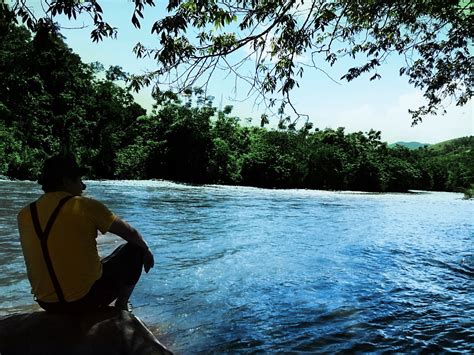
(51, 101)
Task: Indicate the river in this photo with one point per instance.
(242, 269)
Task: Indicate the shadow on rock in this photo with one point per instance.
(107, 331)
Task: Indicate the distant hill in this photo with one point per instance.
(409, 145)
(457, 144)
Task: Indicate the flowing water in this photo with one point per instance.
(254, 270)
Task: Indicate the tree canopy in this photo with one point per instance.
(194, 37)
(51, 101)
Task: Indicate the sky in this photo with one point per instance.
(359, 105)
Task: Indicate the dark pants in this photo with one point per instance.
(120, 269)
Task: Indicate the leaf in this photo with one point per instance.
(375, 76)
(135, 21)
(97, 7)
(156, 27)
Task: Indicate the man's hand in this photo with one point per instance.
(131, 235)
(148, 260)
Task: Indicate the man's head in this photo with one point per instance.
(61, 173)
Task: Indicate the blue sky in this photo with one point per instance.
(358, 106)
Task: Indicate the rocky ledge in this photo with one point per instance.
(108, 331)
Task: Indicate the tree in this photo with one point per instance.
(400, 170)
(23, 104)
(229, 142)
(196, 37)
(174, 142)
(110, 113)
(50, 101)
(273, 160)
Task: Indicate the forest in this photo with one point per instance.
(50, 101)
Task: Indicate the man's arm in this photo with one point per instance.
(131, 235)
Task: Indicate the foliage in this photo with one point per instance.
(469, 193)
(409, 145)
(433, 38)
(56, 102)
(50, 101)
(451, 164)
(230, 143)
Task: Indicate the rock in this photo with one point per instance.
(108, 331)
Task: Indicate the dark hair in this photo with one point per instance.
(56, 168)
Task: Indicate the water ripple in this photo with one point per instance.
(251, 270)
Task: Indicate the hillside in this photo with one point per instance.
(461, 144)
(409, 145)
(453, 163)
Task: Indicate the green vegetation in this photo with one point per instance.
(409, 145)
(451, 164)
(50, 101)
(469, 192)
(433, 38)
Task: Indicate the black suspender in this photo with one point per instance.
(43, 237)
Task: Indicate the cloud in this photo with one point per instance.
(456, 123)
(394, 120)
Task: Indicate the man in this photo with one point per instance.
(58, 237)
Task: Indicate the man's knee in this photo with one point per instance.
(134, 249)
(125, 264)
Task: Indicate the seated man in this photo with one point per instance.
(58, 236)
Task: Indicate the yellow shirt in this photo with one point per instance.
(71, 243)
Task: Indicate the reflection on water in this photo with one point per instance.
(252, 270)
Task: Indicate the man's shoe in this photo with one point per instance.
(124, 307)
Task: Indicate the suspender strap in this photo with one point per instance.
(43, 237)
